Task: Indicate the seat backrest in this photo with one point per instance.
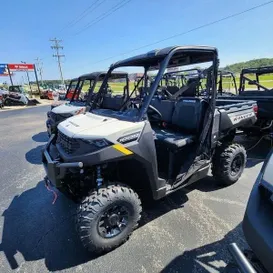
(143, 91)
(188, 114)
(112, 102)
(172, 89)
(192, 88)
(165, 107)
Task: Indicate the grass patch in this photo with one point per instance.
(117, 87)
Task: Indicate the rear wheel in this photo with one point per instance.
(107, 217)
(228, 163)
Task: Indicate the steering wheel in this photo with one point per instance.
(164, 92)
(155, 115)
(92, 102)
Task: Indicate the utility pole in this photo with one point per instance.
(39, 65)
(56, 46)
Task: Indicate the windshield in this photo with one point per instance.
(115, 85)
(71, 89)
(153, 84)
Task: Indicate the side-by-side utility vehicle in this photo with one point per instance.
(157, 145)
(174, 82)
(80, 100)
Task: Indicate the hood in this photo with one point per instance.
(67, 109)
(91, 126)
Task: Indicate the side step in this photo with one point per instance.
(183, 182)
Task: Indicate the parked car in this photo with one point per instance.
(47, 94)
(1, 101)
(3, 91)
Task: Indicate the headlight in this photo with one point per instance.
(129, 138)
(80, 111)
(99, 143)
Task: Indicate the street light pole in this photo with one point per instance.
(39, 66)
(28, 80)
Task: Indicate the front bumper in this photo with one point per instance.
(51, 127)
(56, 170)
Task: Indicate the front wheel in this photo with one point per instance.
(228, 163)
(107, 217)
(7, 102)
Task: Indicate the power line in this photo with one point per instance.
(39, 65)
(104, 15)
(87, 11)
(56, 46)
(189, 31)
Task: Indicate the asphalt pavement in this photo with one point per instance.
(186, 232)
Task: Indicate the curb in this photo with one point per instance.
(12, 108)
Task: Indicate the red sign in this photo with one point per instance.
(21, 67)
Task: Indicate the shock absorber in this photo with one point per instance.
(99, 177)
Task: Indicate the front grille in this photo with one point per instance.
(56, 117)
(68, 144)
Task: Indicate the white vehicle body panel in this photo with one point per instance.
(91, 126)
(68, 109)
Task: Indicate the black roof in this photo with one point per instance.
(258, 70)
(101, 74)
(196, 54)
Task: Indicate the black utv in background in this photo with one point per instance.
(157, 144)
(259, 93)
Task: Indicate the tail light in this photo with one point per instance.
(255, 109)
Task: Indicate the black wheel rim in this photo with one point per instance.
(236, 165)
(113, 221)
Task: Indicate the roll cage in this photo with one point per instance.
(163, 59)
(222, 74)
(95, 77)
(257, 72)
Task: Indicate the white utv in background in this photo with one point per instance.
(155, 144)
(78, 101)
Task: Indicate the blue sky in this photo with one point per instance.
(28, 25)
